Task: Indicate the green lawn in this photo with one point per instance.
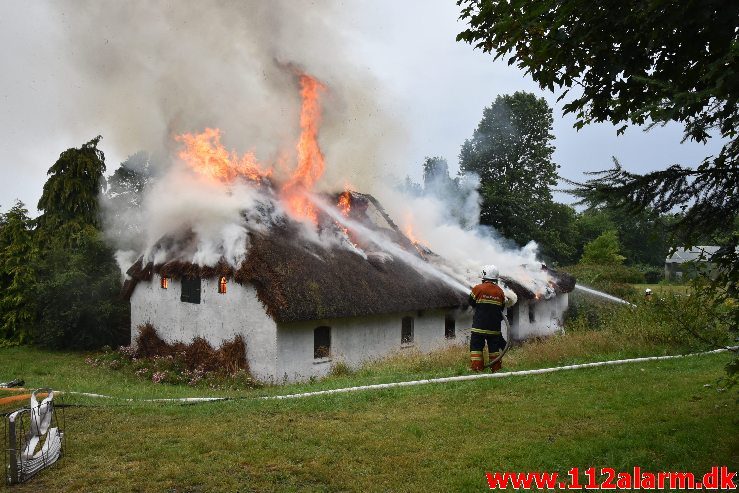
(659, 415)
(69, 371)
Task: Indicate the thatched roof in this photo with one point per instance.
(297, 279)
(560, 282)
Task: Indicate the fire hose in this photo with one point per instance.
(507, 343)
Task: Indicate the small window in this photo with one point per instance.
(532, 313)
(222, 285)
(450, 326)
(406, 331)
(321, 342)
(190, 290)
(164, 282)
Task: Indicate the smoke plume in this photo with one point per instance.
(152, 70)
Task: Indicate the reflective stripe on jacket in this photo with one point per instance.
(489, 300)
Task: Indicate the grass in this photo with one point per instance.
(664, 288)
(659, 415)
(68, 370)
(667, 415)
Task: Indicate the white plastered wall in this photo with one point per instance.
(217, 318)
(548, 317)
(357, 340)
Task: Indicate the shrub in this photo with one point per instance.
(602, 276)
(200, 354)
(233, 355)
(149, 344)
(178, 363)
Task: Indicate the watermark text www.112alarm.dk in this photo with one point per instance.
(606, 478)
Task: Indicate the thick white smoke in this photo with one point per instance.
(146, 71)
(142, 71)
(435, 222)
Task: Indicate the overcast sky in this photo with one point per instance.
(433, 87)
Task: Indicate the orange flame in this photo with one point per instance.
(205, 154)
(310, 158)
(410, 235)
(345, 203)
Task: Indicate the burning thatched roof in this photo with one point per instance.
(297, 279)
(560, 282)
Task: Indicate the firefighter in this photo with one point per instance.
(489, 300)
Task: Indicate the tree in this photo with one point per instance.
(643, 236)
(78, 280)
(123, 199)
(17, 275)
(71, 193)
(603, 250)
(436, 174)
(639, 62)
(511, 152)
(79, 297)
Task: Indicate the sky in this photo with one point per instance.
(400, 82)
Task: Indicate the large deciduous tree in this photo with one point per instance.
(511, 151)
(639, 62)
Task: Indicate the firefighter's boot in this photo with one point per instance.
(497, 365)
(476, 361)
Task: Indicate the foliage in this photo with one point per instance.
(643, 236)
(77, 284)
(614, 279)
(17, 275)
(632, 62)
(69, 201)
(511, 152)
(639, 62)
(123, 200)
(153, 359)
(603, 250)
(78, 295)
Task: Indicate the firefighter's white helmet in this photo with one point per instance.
(490, 272)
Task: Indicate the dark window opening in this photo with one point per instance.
(190, 290)
(222, 285)
(321, 342)
(450, 326)
(164, 283)
(532, 313)
(513, 317)
(406, 331)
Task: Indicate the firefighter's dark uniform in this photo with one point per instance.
(489, 300)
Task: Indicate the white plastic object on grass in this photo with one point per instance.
(31, 459)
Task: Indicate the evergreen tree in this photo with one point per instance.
(79, 302)
(17, 275)
(71, 193)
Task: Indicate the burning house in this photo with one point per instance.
(308, 279)
(301, 305)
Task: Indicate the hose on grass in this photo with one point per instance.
(459, 378)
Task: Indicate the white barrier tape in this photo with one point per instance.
(410, 383)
